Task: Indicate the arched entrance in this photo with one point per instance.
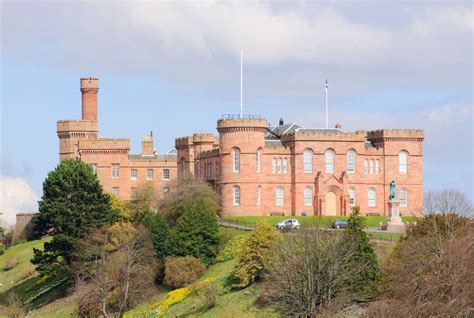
(331, 205)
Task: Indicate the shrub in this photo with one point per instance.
(10, 263)
(2, 248)
(13, 308)
(182, 271)
(208, 293)
(231, 249)
(255, 258)
(159, 232)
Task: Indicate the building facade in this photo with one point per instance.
(292, 170)
(120, 172)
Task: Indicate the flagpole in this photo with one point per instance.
(326, 91)
(241, 85)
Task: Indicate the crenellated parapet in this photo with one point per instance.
(71, 126)
(104, 146)
(324, 135)
(209, 154)
(396, 134)
(227, 125)
(203, 138)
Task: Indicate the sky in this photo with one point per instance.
(174, 68)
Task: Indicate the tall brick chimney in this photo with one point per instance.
(148, 148)
(89, 89)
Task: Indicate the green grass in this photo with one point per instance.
(310, 221)
(23, 253)
(385, 236)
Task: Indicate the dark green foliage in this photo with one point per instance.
(159, 232)
(196, 233)
(363, 284)
(73, 204)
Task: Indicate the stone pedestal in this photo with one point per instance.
(394, 223)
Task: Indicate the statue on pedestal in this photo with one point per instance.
(393, 191)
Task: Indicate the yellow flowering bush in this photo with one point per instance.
(232, 249)
(174, 297)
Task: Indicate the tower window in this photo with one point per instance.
(236, 195)
(403, 161)
(236, 156)
(259, 160)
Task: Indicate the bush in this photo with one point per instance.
(255, 258)
(10, 263)
(13, 308)
(2, 248)
(208, 293)
(231, 249)
(159, 232)
(182, 271)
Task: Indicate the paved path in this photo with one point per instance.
(234, 225)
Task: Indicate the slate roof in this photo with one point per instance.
(273, 143)
(280, 130)
(159, 157)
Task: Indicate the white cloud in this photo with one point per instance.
(16, 196)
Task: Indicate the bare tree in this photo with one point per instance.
(311, 273)
(447, 202)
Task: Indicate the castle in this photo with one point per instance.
(258, 170)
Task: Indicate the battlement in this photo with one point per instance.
(77, 125)
(324, 135)
(183, 142)
(396, 134)
(89, 83)
(104, 144)
(203, 138)
(209, 153)
(230, 123)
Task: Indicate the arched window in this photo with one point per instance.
(329, 154)
(308, 160)
(351, 161)
(236, 156)
(352, 196)
(308, 196)
(259, 160)
(259, 193)
(377, 166)
(236, 195)
(279, 196)
(372, 197)
(403, 161)
(403, 197)
(366, 166)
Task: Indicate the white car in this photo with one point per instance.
(288, 224)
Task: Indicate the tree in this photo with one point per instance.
(363, 284)
(159, 233)
(73, 204)
(311, 273)
(121, 208)
(119, 261)
(187, 195)
(447, 202)
(196, 233)
(255, 258)
(144, 203)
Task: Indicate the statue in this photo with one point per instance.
(393, 191)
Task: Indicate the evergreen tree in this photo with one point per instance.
(196, 233)
(159, 232)
(72, 205)
(363, 285)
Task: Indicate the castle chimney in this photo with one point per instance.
(281, 121)
(338, 126)
(89, 89)
(148, 148)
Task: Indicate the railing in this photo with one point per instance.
(237, 116)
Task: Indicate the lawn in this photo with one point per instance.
(310, 221)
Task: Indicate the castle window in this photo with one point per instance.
(236, 164)
(166, 174)
(94, 168)
(274, 165)
(403, 161)
(133, 193)
(259, 193)
(351, 161)
(259, 160)
(372, 201)
(352, 196)
(115, 170)
(115, 191)
(308, 194)
(278, 165)
(377, 166)
(366, 166)
(279, 196)
(285, 165)
(403, 197)
(236, 195)
(133, 174)
(371, 165)
(308, 160)
(329, 154)
(149, 174)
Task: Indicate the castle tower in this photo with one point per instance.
(239, 141)
(71, 131)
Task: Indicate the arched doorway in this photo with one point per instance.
(331, 203)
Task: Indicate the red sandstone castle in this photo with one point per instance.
(257, 170)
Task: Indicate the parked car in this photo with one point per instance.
(288, 224)
(339, 224)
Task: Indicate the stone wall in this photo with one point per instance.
(24, 226)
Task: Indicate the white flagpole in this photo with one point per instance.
(326, 91)
(241, 85)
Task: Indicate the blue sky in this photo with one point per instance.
(174, 68)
